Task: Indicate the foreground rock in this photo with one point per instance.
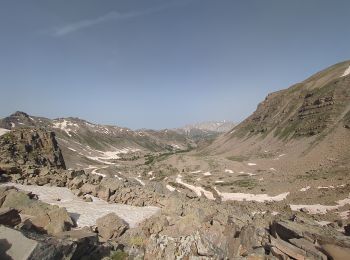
(44, 217)
(14, 245)
(111, 226)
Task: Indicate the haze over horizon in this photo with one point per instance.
(162, 64)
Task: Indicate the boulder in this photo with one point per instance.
(104, 193)
(288, 249)
(310, 248)
(111, 226)
(77, 182)
(14, 245)
(23, 203)
(54, 221)
(89, 189)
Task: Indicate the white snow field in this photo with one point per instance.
(86, 213)
(251, 197)
(198, 190)
(3, 131)
(320, 209)
(232, 196)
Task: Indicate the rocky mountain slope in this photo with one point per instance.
(308, 118)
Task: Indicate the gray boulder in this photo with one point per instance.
(111, 226)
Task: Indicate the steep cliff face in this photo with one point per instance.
(32, 146)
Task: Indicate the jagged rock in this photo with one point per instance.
(89, 189)
(288, 249)
(85, 241)
(9, 217)
(77, 182)
(347, 230)
(154, 225)
(31, 147)
(71, 174)
(104, 193)
(111, 226)
(336, 252)
(310, 248)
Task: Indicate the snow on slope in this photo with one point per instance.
(86, 213)
(346, 72)
(3, 131)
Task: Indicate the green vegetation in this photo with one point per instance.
(8, 137)
(243, 183)
(137, 241)
(119, 255)
(246, 183)
(151, 158)
(238, 158)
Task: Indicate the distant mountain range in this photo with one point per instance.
(84, 143)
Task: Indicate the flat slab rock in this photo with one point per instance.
(14, 245)
(86, 213)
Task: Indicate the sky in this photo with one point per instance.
(162, 63)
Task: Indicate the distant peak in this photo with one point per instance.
(20, 114)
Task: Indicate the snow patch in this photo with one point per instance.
(305, 189)
(72, 149)
(196, 171)
(171, 188)
(119, 178)
(97, 173)
(206, 173)
(198, 190)
(13, 125)
(140, 181)
(3, 131)
(318, 208)
(251, 164)
(250, 197)
(346, 72)
(323, 222)
(228, 171)
(86, 213)
(66, 126)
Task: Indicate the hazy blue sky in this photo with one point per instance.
(162, 63)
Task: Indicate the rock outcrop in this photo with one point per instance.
(30, 147)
